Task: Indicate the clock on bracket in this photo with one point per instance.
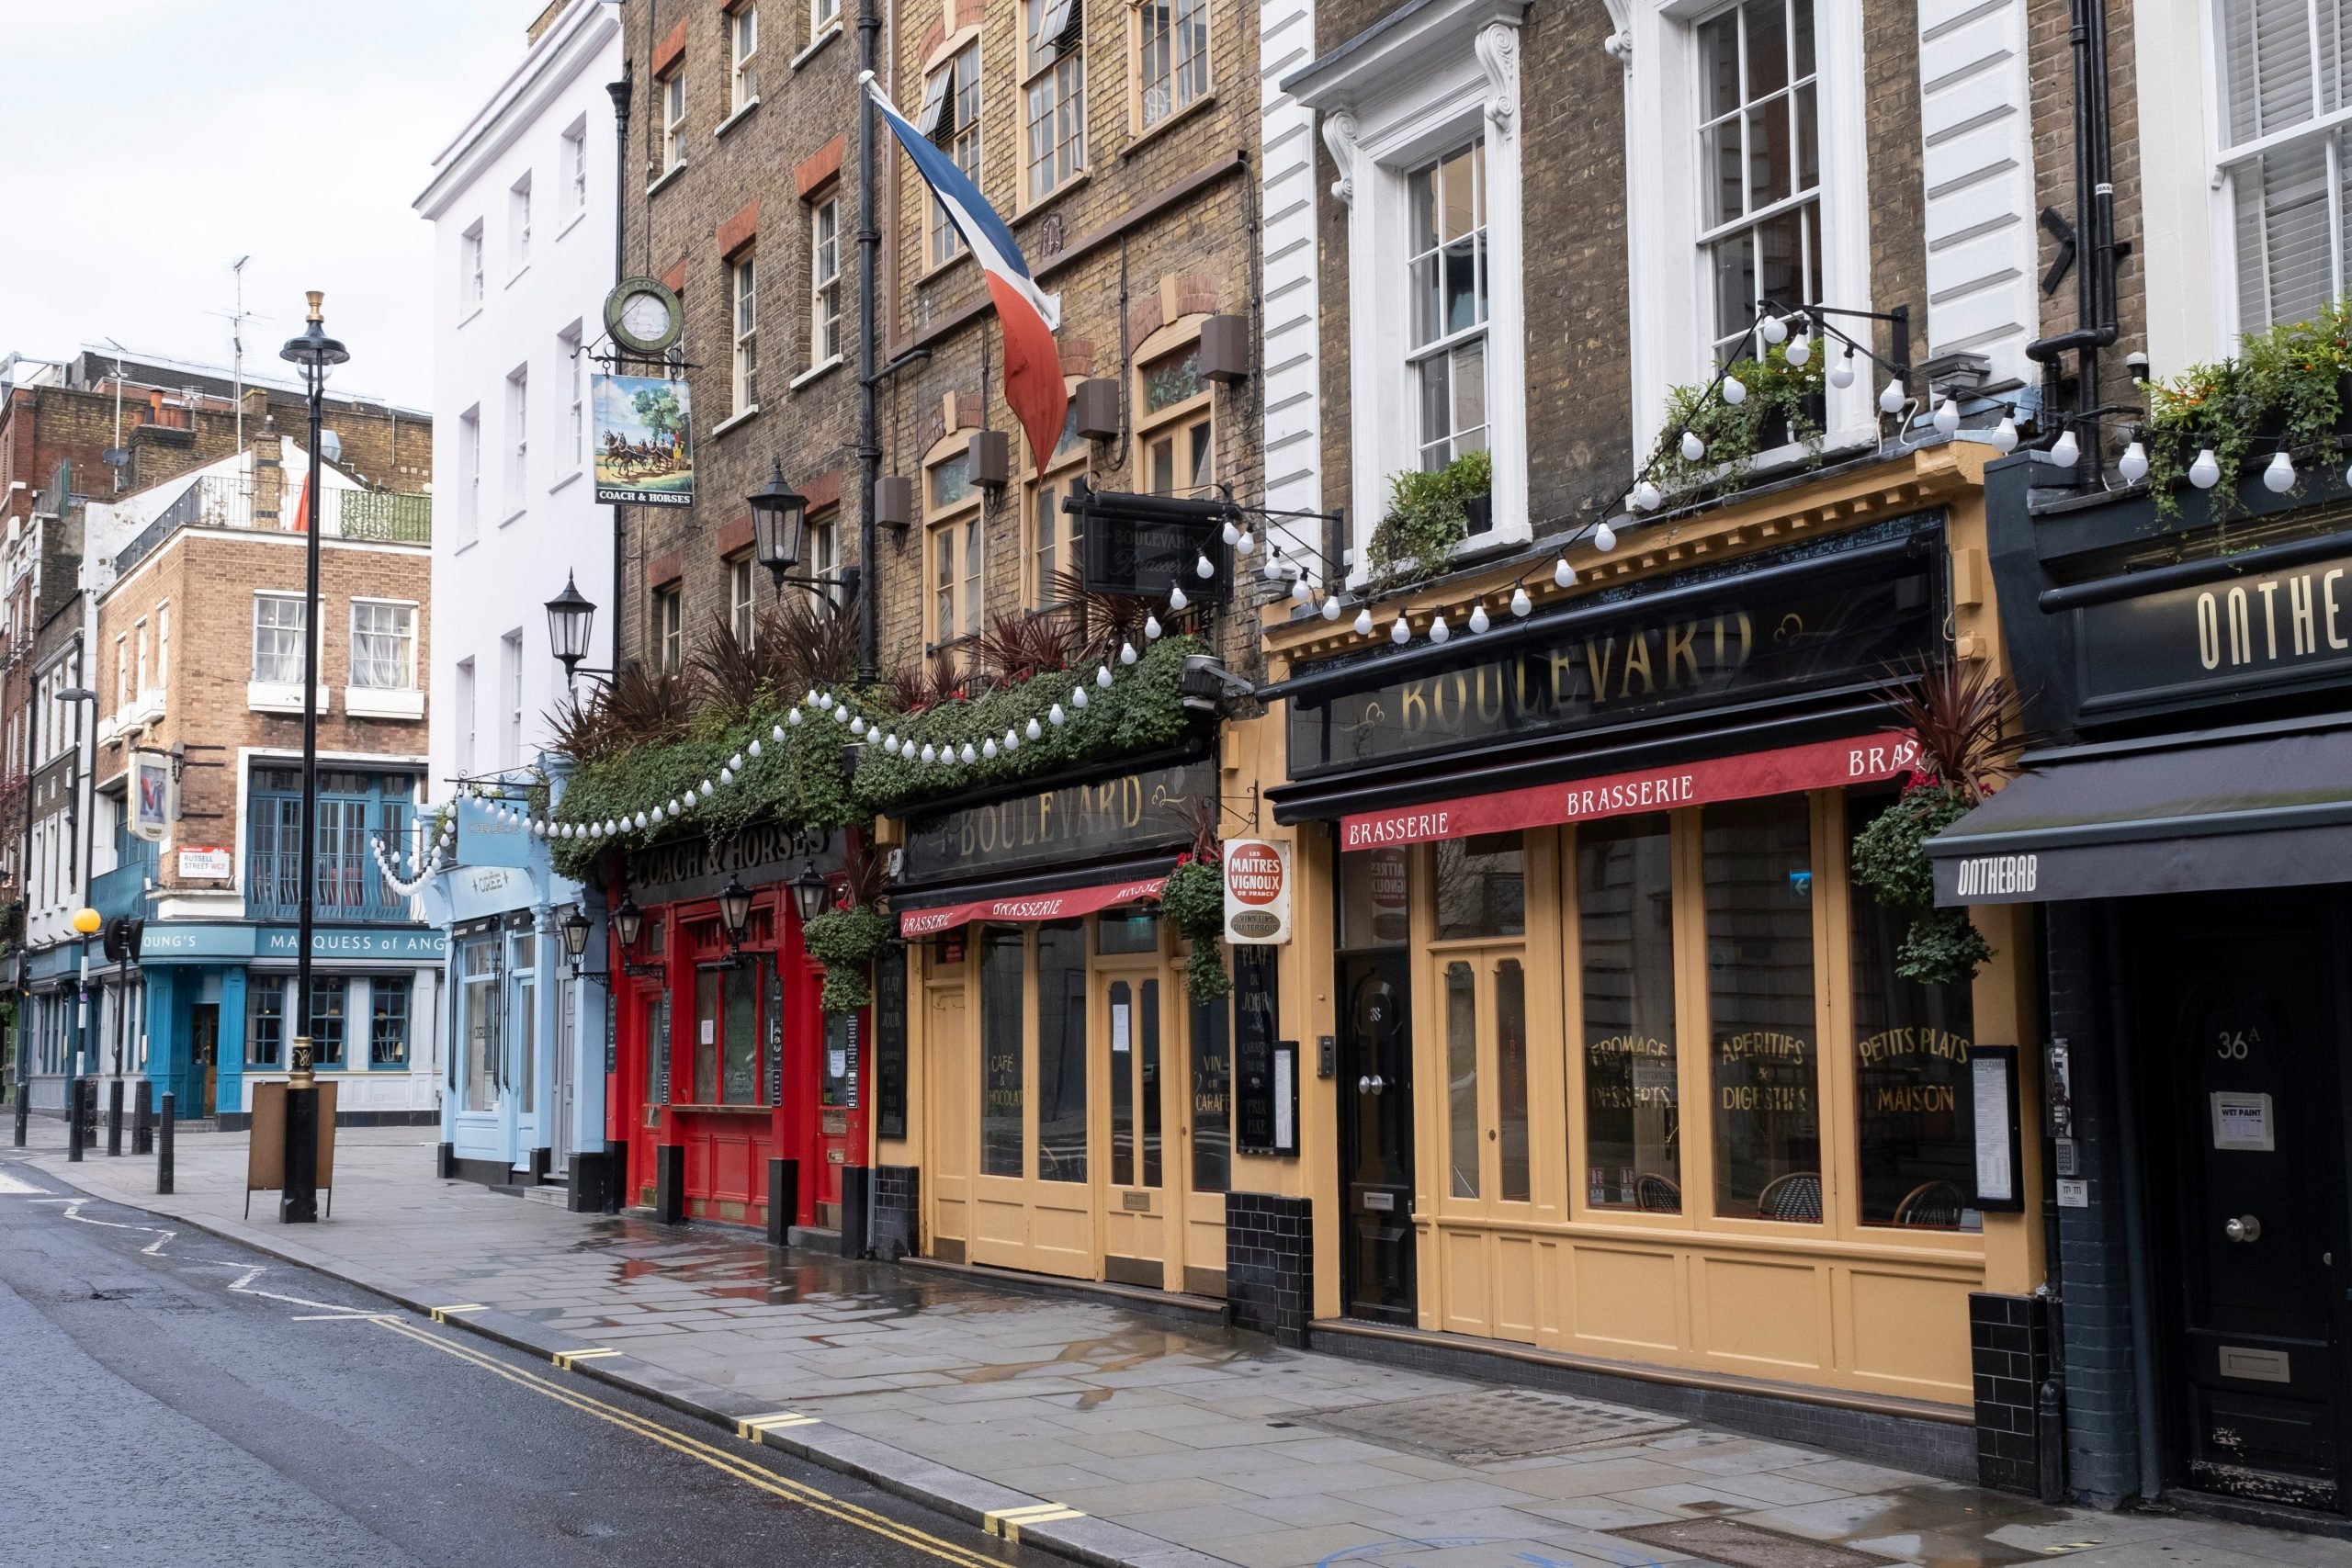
(643, 315)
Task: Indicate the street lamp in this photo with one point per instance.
(570, 618)
(315, 354)
(627, 920)
(735, 912)
(89, 813)
(810, 891)
(779, 526)
(576, 927)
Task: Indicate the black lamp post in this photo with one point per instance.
(571, 617)
(315, 354)
(779, 526)
(735, 912)
(575, 928)
(627, 920)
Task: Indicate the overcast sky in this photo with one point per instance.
(151, 142)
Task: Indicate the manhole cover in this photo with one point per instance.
(1741, 1545)
(1495, 1424)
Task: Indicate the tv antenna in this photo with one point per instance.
(237, 320)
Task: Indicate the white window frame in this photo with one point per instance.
(1672, 292)
(823, 15)
(470, 472)
(743, 65)
(743, 329)
(2192, 299)
(1403, 96)
(1054, 81)
(518, 423)
(518, 210)
(573, 435)
(575, 167)
(743, 601)
(472, 287)
(1190, 78)
(275, 676)
(509, 657)
(407, 639)
(962, 66)
(469, 730)
(673, 118)
(825, 279)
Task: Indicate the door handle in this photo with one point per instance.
(2245, 1228)
(1370, 1084)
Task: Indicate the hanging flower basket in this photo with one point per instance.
(1193, 899)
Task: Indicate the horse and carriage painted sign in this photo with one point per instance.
(644, 441)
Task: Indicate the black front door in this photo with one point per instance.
(2243, 1005)
(1376, 1135)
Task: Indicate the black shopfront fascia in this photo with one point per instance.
(1778, 649)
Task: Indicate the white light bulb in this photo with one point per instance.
(811, 698)
(1692, 447)
(1842, 374)
(1519, 602)
(1204, 569)
(1151, 627)
(1176, 600)
(1245, 544)
(727, 776)
(1078, 696)
(2133, 464)
(736, 761)
(1439, 631)
(705, 789)
(775, 732)
(1478, 619)
(1232, 534)
(857, 724)
(1735, 390)
(1646, 496)
(2005, 435)
(1035, 731)
(1892, 400)
(656, 814)
(1274, 570)
(1331, 608)
(1604, 539)
(1947, 416)
(1300, 592)
(2065, 451)
(1800, 353)
(1126, 653)
(988, 748)
(1563, 574)
(968, 754)
(1055, 716)
(2205, 473)
(929, 752)
(1102, 675)
(2279, 477)
(1400, 631)
(793, 718)
(890, 745)
(1011, 740)
(1363, 621)
(754, 746)
(1774, 330)
(641, 823)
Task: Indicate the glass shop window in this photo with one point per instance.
(1212, 1096)
(1061, 1051)
(1510, 1079)
(1003, 959)
(1758, 876)
(1462, 1077)
(1126, 930)
(1375, 895)
(1632, 1119)
(1914, 1118)
(1481, 886)
(837, 1069)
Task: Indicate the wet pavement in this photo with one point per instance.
(1208, 1441)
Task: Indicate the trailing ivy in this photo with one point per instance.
(1428, 515)
(1941, 947)
(1193, 900)
(846, 942)
(1736, 433)
(2284, 387)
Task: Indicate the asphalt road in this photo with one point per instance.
(175, 1400)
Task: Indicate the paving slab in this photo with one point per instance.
(1181, 1444)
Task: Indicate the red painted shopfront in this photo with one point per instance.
(723, 1062)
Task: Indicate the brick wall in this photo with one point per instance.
(741, 195)
(2050, 75)
(1270, 1264)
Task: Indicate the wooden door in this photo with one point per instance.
(1142, 1237)
(954, 1077)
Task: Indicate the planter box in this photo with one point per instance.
(1478, 514)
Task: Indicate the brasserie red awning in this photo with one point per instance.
(1822, 764)
(1061, 906)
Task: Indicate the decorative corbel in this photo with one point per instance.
(1497, 49)
(1620, 41)
(1339, 141)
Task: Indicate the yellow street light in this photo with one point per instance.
(87, 921)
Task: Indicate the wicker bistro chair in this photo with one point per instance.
(1796, 1196)
(1933, 1205)
(1657, 1195)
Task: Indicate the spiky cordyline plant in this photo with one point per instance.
(1959, 711)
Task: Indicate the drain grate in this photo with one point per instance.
(1495, 1424)
(1737, 1544)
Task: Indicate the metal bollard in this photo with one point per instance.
(142, 1122)
(73, 1121)
(164, 1148)
(114, 1119)
(24, 1113)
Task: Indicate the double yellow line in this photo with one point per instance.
(735, 1465)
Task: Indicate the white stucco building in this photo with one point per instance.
(521, 205)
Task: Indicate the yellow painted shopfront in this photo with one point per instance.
(1622, 1070)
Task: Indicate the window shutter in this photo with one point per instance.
(935, 98)
(2268, 65)
(1063, 26)
(2286, 258)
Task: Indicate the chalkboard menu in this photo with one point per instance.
(1259, 1120)
(890, 1043)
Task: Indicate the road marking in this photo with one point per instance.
(567, 1360)
(731, 1464)
(752, 1429)
(441, 1314)
(1008, 1522)
(13, 1188)
(340, 1317)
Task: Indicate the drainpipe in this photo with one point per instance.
(2094, 232)
(619, 92)
(869, 430)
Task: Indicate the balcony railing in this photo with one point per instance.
(228, 501)
(348, 889)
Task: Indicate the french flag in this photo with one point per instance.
(1028, 316)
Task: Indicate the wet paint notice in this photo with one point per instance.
(2242, 1122)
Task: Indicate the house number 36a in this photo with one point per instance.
(2230, 1045)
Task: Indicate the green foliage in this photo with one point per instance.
(1192, 898)
(1428, 513)
(658, 407)
(2284, 384)
(1736, 433)
(845, 990)
(1890, 859)
(1204, 976)
(847, 938)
